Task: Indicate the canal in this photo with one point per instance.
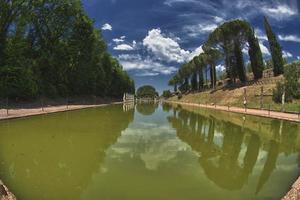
(148, 151)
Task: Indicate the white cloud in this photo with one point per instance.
(147, 74)
(119, 40)
(280, 11)
(287, 54)
(164, 48)
(264, 49)
(298, 57)
(260, 34)
(106, 27)
(289, 38)
(196, 52)
(171, 2)
(218, 19)
(146, 66)
(123, 47)
(220, 68)
(199, 29)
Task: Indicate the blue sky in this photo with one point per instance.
(152, 38)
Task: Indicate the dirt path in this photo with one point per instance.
(256, 112)
(20, 113)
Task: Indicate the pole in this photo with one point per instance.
(261, 96)
(67, 102)
(7, 106)
(42, 104)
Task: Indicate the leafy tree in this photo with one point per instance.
(199, 64)
(291, 85)
(146, 91)
(211, 56)
(167, 94)
(51, 48)
(17, 82)
(275, 48)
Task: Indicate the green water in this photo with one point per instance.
(148, 152)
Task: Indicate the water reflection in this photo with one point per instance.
(229, 148)
(54, 157)
(147, 108)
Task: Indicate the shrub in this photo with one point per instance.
(278, 91)
(291, 85)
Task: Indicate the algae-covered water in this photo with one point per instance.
(148, 151)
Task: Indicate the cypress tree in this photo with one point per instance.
(275, 48)
(256, 58)
(240, 66)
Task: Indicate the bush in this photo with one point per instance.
(278, 91)
(291, 85)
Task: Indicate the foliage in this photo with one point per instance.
(256, 58)
(146, 91)
(55, 49)
(240, 66)
(275, 48)
(17, 82)
(199, 64)
(166, 94)
(291, 85)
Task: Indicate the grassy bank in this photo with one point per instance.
(235, 97)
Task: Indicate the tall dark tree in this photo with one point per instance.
(255, 54)
(240, 65)
(275, 48)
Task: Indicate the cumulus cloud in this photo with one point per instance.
(289, 38)
(144, 66)
(164, 48)
(298, 57)
(106, 27)
(287, 54)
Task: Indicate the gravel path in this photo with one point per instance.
(20, 113)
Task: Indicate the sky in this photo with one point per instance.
(153, 38)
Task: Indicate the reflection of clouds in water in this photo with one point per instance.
(154, 144)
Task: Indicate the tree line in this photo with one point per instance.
(225, 44)
(51, 48)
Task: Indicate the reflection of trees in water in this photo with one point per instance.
(166, 107)
(54, 157)
(146, 108)
(221, 163)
